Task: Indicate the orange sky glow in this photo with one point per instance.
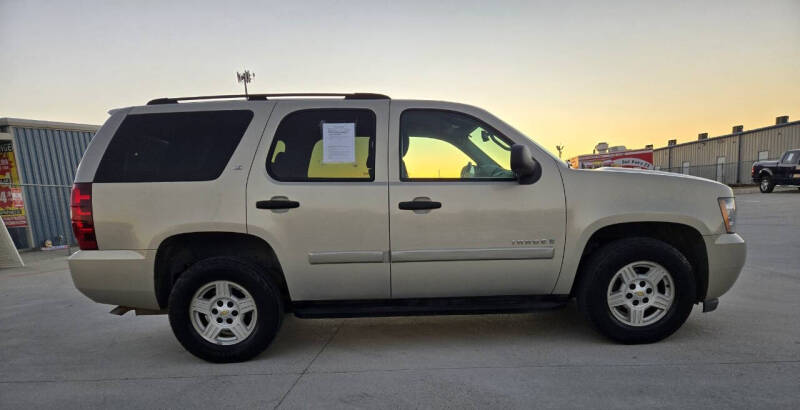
(572, 73)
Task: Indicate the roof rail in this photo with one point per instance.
(264, 97)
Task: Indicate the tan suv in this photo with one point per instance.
(229, 213)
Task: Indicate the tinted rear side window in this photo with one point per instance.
(181, 146)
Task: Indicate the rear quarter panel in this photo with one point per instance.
(137, 216)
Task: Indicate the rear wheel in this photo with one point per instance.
(637, 290)
(225, 310)
(766, 185)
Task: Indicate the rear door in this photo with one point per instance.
(317, 193)
(461, 225)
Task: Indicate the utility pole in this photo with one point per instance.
(245, 78)
(560, 148)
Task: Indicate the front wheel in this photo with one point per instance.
(766, 185)
(225, 310)
(637, 290)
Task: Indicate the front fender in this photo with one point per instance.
(576, 244)
(598, 199)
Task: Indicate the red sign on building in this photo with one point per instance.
(12, 207)
(641, 159)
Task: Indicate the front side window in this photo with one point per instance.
(298, 148)
(169, 147)
(446, 145)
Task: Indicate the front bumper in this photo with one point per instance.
(124, 278)
(726, 256)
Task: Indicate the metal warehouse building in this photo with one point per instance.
(728, 158)
(37, 166)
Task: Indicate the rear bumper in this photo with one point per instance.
(726, 257)
(124, 278)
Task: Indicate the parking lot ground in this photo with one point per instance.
(60, 350)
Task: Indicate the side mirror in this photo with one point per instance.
(525, 167)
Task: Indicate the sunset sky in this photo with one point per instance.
(628, 73)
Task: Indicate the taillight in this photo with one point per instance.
(82, 220)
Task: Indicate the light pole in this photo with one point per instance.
(245, 78)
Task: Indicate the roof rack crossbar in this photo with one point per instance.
(263, 97)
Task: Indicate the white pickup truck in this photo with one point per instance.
(226, 212)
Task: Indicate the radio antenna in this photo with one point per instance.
(245, 78)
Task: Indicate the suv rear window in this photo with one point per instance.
(297, 150)
(166, 147)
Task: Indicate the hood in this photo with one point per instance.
(765, 163)
(638, 171)
(654, 181)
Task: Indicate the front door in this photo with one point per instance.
(460, 224)
(786, 168)
(318, 194)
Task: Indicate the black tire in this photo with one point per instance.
(600, 269)
(251, 277)
(766, 184)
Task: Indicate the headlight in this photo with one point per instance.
(728, 208)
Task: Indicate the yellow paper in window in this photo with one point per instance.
(318, 169)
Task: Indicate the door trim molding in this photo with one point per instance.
(473, 254)
(320, 258)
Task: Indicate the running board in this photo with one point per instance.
(121, 310)
(429, 306)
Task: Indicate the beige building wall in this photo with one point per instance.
(770, 142)
(661, 159)
(728, 158)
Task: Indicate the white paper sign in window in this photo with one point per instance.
(339, 143)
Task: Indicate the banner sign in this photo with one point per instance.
(641, 159)
(12, 207)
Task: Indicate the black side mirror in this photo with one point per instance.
(525, 167)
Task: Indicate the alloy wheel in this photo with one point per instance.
(640, 293)
(223, 312)
(764, 183)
